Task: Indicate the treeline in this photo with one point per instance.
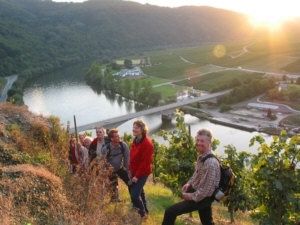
(38, 36)
(248, 89)
(292, 93)
(267, 183)
(100, 77)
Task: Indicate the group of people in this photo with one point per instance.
(134, 166)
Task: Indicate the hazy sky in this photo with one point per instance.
(259, 11)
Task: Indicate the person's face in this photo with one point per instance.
(81, 137)
(136, 130)
(203, 144)
(100, 134)
(115, 139)
(87, 143)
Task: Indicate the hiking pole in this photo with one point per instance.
(76, 134)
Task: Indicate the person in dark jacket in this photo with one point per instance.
(140, 165)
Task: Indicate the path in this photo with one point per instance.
(10, 80)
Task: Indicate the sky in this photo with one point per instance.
(259, 11)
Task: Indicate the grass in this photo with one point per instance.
(219, 80)
(270, 63)
(160, 197)
(168, 91)
(155, 80)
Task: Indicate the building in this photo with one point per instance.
(134, 72)
(262, 106)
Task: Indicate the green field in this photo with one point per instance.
(200, 66)
(174, 64)
(169, 91)
(220, 80)
(154, 80)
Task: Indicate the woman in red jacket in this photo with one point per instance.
(140, 165)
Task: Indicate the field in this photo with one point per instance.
(212, 67)
(220, 80)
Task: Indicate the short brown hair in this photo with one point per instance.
(205, 132)
(111, 132)
(142, 125)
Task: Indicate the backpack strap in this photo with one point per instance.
(109, 150)
(209, 156)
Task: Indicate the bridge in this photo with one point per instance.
(113, 122)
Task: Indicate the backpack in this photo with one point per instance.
(226, 179)
(109, 150)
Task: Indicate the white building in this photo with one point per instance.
(134, 72)
(262, 106)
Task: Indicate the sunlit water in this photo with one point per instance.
(65, 94)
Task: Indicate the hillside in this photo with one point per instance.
(37, 36)
(36, 188)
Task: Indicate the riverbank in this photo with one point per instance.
(199, 113)
(9, 82)
(241, 119)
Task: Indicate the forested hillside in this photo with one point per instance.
(37, 36)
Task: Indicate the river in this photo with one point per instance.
(65, 93)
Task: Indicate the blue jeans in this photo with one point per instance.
(138, 195)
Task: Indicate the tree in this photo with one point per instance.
(241, 196)
(177, 159)
(128, 63)
(277, 179)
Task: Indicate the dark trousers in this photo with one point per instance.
(138, 195)
(203, 207)
(123, 175)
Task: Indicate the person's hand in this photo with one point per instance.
(134, 179)
(185, 187)
(187, 196)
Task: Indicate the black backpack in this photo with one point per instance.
(226, 179)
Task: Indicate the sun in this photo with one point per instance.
(272, 15)
(271, 21)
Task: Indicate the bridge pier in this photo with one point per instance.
(166, 116)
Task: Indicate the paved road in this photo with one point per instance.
(108, 123)
(10, 80)
(283, 107)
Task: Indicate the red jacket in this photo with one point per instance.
(141, 157)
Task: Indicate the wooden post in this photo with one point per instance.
(76, 134)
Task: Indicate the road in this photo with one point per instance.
(10, 80)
